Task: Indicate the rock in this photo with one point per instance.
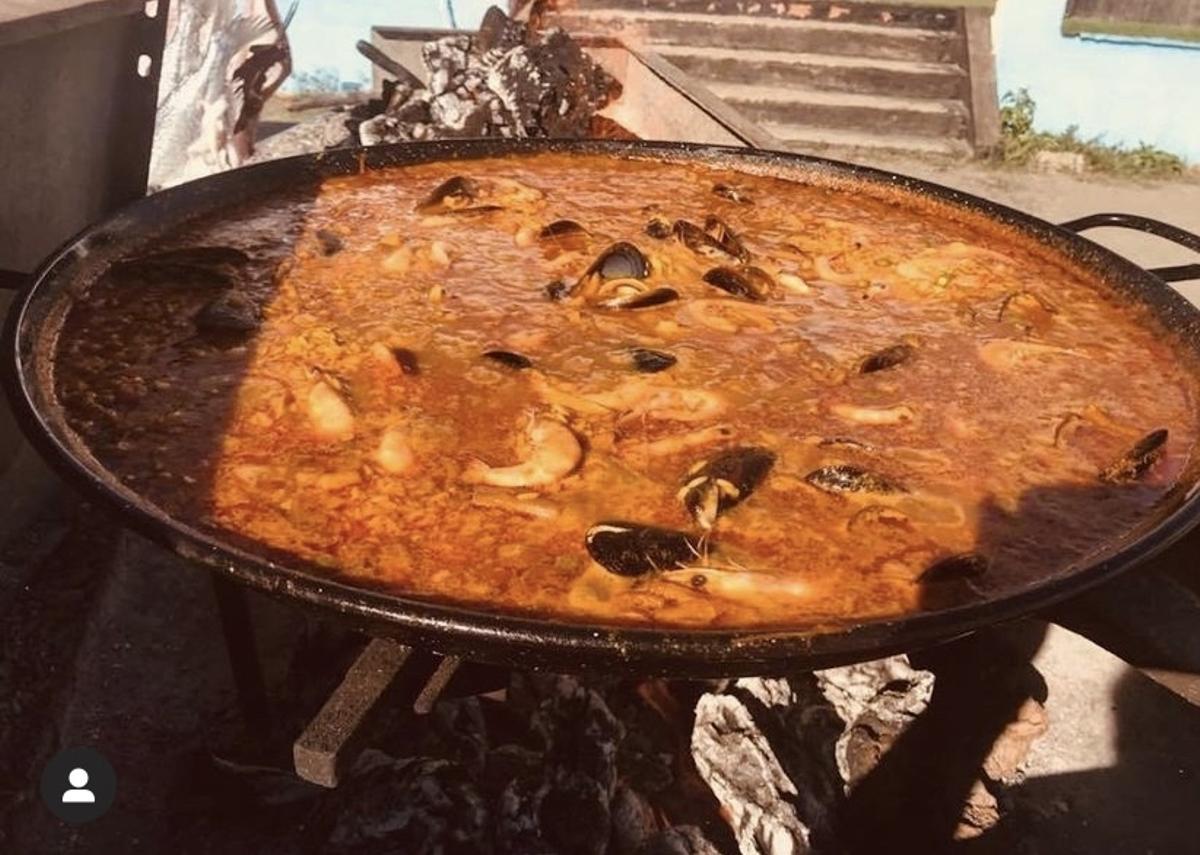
(877, 701)
(1060, 161)
(740, 766)
(1012, 745)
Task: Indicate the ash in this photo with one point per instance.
(508, 80)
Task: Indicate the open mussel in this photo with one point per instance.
(750, 283)
(702, 243)
(846, 478)
(640, 299)
(716, 485)
(1137, 461)
(889, 357)
(733, 193)
(726, 237)
(651, 361)
(230, 317)
(632, 549)
(330, 243)
(622, 260)
(453, 194)
(509, 359)
(658, 228)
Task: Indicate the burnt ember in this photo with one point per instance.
(508, 81)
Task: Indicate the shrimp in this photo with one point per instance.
(874, 415)
(553, 453)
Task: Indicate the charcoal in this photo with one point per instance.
(681, 840)
(498, 32)
(448, 53)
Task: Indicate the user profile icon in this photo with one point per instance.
(78, 785)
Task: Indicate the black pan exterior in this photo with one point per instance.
(27, 352)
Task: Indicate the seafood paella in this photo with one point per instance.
(630, 392)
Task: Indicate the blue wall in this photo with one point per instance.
(1130, 93)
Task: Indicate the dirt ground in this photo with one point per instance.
(107, 641)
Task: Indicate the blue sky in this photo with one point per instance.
(323, 32)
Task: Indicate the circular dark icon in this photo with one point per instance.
(78, 785)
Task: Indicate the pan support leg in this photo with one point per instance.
(242, 649)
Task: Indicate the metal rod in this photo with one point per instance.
(330, 740)
(243, 654)
(436, 684)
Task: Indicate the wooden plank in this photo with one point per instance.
(981, 71)
(1168, 19)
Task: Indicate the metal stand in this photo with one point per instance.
(243, 654)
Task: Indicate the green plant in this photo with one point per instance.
(1020, 142)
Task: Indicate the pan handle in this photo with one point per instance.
(11, 280)
(1175, 273)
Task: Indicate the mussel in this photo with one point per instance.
(564, 234)
(232, 315)
(1137, 461)
(640, 299)
(702, 243)
(622, 260)
(330, 243)
(733, 193)
(632, 549)
(889, 357)
(751, 283)
(956, 568)
(651, 361)
(407, 360)
(723, 234)
(846, 478)
(452, 194)
(658, 228)
(718, 484)
(509, 359)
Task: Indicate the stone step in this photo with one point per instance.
(819, 71)
(747, 32)
(845, 145)
(879, 114)
(927, 16)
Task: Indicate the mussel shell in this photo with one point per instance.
(632, 549)
(846, 478)
(560, 229)
(743, 468)
(329, 242)
(723, 234)
(407, 360)
(651, 361)
(889, 357)
(622, 260)
(460, 190)
(509, 359)
(750, 283)
(956, 568)
(658, 228)
(230, 315)
(733, 193)
(1136, 462)
(642, 300)
(701, 242)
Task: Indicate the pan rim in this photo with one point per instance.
(499, 636)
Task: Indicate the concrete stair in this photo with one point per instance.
(849, 75)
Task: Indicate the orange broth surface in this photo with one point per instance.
(924, 391)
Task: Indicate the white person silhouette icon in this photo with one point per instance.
(78, 794)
